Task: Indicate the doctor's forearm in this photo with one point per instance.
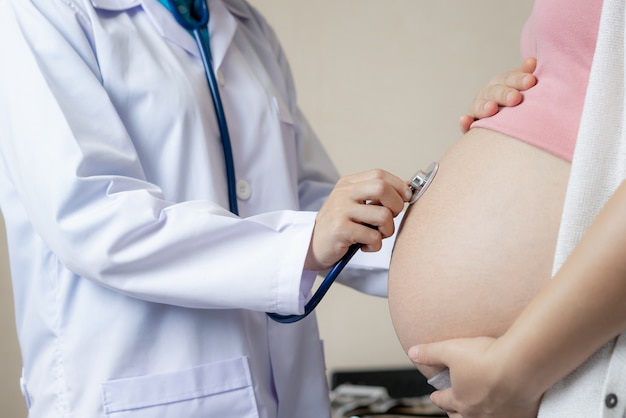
(581, 309)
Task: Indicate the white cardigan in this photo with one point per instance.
(598, 167)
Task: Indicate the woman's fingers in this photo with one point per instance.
(503, 90)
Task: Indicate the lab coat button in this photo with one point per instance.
(220, 78)
(611, 400)
(243, 190)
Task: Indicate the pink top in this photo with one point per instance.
(562, 35)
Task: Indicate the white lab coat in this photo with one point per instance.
(137, 294)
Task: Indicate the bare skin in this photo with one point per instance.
(479, 245)
(579, 310)
(346, 219)
(502, 90)
(343, 219)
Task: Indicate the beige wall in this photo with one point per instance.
(11, 401)
(383, 82)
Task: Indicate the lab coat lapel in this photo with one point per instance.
(221, 38)
(222, 25)
(168, 27)
(161, 18)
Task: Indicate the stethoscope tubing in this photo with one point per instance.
(330, 278)
(197, 22)
(207, 62)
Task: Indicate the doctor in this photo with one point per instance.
(137, 293)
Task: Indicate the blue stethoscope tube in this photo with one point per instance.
(193, 15)
(330, 278)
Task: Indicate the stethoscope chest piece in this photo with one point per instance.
(420, 181)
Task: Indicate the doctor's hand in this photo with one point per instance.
(502, 90)
(486, 382)
(360, 209)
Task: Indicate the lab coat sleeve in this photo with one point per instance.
(76, 174)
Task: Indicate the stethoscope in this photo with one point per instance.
(418, 184)
(193, 15)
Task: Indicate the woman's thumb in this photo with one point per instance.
(426, 354)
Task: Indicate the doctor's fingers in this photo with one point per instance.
(370, 238)
(337, 229)
(357, 224)
(378, 223)
(374, 185)
(374, 191)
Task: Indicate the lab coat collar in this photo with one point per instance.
(221, 12)
(115, 5)
(239, 8)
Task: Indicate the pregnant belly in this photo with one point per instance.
(479, 244)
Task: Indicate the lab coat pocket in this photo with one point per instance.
(284, 116)
(222, 389)
(287, 130)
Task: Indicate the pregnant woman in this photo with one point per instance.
(483, 244)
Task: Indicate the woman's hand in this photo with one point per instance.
(503, 90)
(577, 311)
(360, 209)
(485, 382)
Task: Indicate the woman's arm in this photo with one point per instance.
(581, 309)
